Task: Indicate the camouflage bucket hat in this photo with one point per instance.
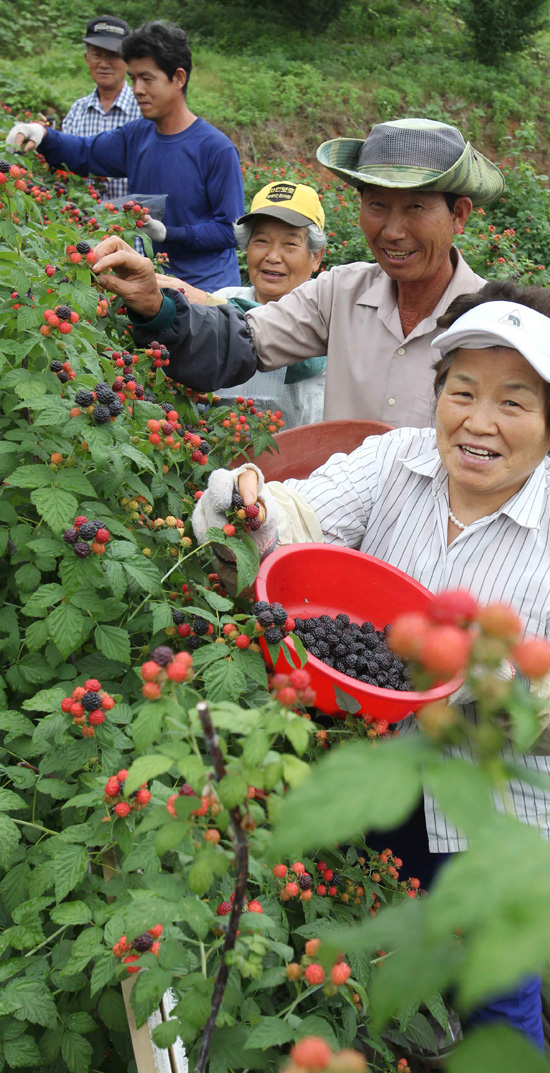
(419, 154)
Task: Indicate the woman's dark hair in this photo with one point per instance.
(498, 290)
(167, 45)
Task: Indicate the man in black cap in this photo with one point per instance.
(112, 103)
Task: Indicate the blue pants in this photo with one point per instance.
(520, 1008)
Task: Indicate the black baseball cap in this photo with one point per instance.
(106, 31)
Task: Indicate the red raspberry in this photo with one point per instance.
(229, 530)
(289, 625)
(314, 974)
(321, 889)
(242, 641)
(122, 809)
(170, 805)
(298, 868)
(112, 787)
(156, 932)
(184, 629)
(287, 697)
(79, 521)
(532, 657)
(328, 875)
(102, 536)
(408, 633)
(122, 775)
(77, 710)
(223, 909)
(333, 891)
(498, 620)
(107, 703)
(312, 947)
(313, 1052)
(149, 670)
(415, 883)
(121, 946)
(78, 692)
(453, 608)
(92, 685)
(411, 894)
(128, 962)
(252, 510)
(279, 871)
(96, 717)
(339, 974)
(155, 949)
(143, 797)
(151, 690)
(292, 889)
(255, 907)
(320, 866)
(445, 650)
(66, 704)
(177, 672)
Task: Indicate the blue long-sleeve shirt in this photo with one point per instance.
(199, 170)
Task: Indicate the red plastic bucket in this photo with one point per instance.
(321, 579)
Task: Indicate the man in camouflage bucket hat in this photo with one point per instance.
(418, 181)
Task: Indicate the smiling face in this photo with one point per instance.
(490, 424)
(107, 68)
(411, 232)
(278, 258)
(157, 95)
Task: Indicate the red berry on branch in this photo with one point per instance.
(122, 809)
(314, 974)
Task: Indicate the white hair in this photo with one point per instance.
(315, 238)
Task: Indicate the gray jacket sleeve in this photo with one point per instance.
(209, 346)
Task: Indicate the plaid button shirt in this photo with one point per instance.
(87, 117)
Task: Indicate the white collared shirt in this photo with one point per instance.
(87, 117)
(389, 498)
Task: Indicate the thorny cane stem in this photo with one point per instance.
(241, 855)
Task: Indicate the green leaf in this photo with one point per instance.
(371, 789)
(139, 457)
(71, 913)
(496, 1049)
(46, 700)
(145, 574)
(270, 1032)
(298, 732)
(80, 1021)
(44, 597)
(113, 1011)
(217, 602)
(114, 573)
(197, 915)
(30, 1000)
(252, 664)
(9, 839)
(145, 768)
(102, 972)
(66, 627)
(162, 616)
(71, 863)
(21, 1051)
(114, 642)
(76, 1051)
(148, 990)
(58, 508)
(169, 836)
(73, 481)
(232, 790)
(224, 680)
(463, 790)
(35, 476)
(345, 701)
(87, 945)
(166, 1034)
(10, 801)
(245, 552)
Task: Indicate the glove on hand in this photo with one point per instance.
(211, 508)
(32, 132)
(155, 229)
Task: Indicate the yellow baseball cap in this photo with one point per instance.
(295, 203)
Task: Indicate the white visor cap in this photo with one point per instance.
(501, 324)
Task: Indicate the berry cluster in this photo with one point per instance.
(238, 422)
(192, 631)
(314, 973)
(63, 370)
(293, 688)
(159, 354)
(208, 802)
(113, 795)
(164, 666)
(272, 621)
(358, 651)
(241, 518)
(82, 249)
(385, 868)
(62, 318)
(141, 213)
(87, 537)
(102, 404)
(161, 433)
(87, 705)
(143, 944)
(224, 908)
(314, 1055)
(197, 446)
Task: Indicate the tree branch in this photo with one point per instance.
(241, 855)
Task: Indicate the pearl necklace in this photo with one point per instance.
(459, 525)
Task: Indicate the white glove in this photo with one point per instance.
(32, 132)
(155, 229)
(211, 507)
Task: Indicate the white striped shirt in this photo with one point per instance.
(390, 498)
(87, 117)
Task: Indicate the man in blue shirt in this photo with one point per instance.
(169, 151)
(112, 102)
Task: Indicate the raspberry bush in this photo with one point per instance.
(144, 834)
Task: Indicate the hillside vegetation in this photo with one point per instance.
(279, 86)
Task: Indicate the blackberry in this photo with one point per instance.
(351, 673)
(324, 648)
(116, 407)
(260, 605)
(143, 942)
(63, 376)
(382, 678)
(273, 636)
(204, 447)
(162, 655)
(102, 414)
(56, 366)
(99, 523)
(371, 642)
(318, 633)
(63, 312)
(326, 620)
(367, 627)
(384, 659)
(305, 881)
(351, 660)
(127, 377)
(149, 397)
(127, 359)
(82, 550)
(166, 428)
(90, 701)
(83, 247)
(340, 651)
(200, 626)
(236, 501)
(178, 617)
(70, 536)
(104, 393)
(314, 651)
(342, 620)
(84, 398)
(194, 643)
(167, 406)
(254, 524)
(265, 618)
(4, 166)
(140, 391)
(88, 530)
